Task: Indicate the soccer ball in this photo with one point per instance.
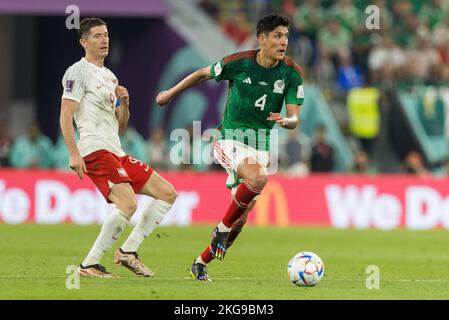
(305, 269)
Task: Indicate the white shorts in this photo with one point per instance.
(230, 153)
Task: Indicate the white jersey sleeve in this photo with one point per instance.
(74, 83)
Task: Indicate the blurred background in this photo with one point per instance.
(375, 112)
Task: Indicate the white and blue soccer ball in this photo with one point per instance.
(305, 269)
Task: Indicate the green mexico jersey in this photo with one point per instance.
(254, 92)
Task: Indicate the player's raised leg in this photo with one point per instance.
(122, 195)
(164, 196)
(237, 226)
(199, 266)
(254, 179)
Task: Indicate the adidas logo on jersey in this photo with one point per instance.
(247, 80)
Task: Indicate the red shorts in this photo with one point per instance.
(105, 168)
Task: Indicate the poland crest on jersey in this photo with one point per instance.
(278, 86)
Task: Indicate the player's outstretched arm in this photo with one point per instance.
(68, 109)
(193, 79)
(290, 121)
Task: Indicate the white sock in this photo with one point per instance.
(222, 228)
(150, 219)
(111, 230)
(200, 260)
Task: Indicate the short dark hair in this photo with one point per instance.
(271, 22)
(87, 23)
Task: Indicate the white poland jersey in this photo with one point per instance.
(94, 88)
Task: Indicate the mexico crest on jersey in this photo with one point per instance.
(278, 86)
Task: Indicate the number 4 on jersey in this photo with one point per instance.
(260, 103)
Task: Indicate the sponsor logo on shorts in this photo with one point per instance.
(122, 172)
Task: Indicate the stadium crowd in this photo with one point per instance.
(331, 42)
(299, 154)
(340, 49)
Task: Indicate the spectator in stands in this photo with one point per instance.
(441, 78)
(386, 17)
(333, 38)
(362, 163)
(257, 9)
(347, 14)
(133, 143)
(433, 13)
(414, 164)
(288, 8)
(422, 58)
(309, 18)
(60, 155)
(348, 74)
(297, 151)
(211, 8)
(322, 158)
(237, 27)
(157, 149)
(385, 58)
(440, 38)
(31, 150)
(406, 31)
(5, 144)
(185, 150)
(324, 72)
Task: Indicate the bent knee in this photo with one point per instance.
(259, 181)
(169, 194)
(129, 208)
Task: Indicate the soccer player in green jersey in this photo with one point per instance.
(260, 81)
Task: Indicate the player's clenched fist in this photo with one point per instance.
(278, 118)
(122, 94)
(163, 98)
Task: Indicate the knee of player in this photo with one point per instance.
(259, 181)
(169, 194)
(129, 208)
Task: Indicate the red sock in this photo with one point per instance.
(235, 231)
(206, 255)
(245, 193)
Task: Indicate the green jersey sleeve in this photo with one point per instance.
(295, 90)
(219, 71)
(230, 67)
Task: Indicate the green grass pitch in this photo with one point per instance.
(412, 264)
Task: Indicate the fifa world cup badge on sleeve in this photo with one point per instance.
(300, 92)
(217, 69)
(69, 85)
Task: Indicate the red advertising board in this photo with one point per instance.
(340, 201)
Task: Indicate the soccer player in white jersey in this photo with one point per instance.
(93, 97)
